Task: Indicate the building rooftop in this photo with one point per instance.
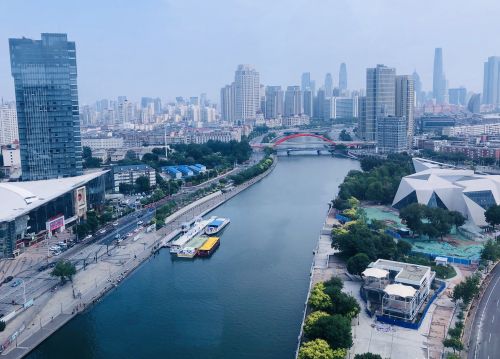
(407, 273)
(18, 198)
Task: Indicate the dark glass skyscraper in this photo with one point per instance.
(44, 73)
(343, 77)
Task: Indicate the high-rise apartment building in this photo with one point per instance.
(457, 96)
(274, 102)
(293, 101)
(439, 91)
(491, 83)
(380, 99)
(328, 85)
(319, 104)
(227, 103)
(392, 134)
(8, 124)
(405, 104)
(247, 92)
(44, 73)
(343, 77)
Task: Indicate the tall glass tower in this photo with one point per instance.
(439, 80)
(44, 73)
(343, 77)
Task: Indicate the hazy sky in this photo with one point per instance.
(171, 48)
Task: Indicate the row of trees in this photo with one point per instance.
(88, 160)
(433, 222)
(142, 184)
(253, 171)
(378, 181)
(328, 328)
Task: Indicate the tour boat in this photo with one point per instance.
(198, 227)
(216, 225)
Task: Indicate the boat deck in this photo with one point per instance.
(196, 242)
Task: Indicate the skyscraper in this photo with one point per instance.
(227, 103)
(44, 73)
(405, 104)
(491, 84)
(457, 96)
(247, 92)
(439, 81)
(343, 77)
(391, 134)
(328, 85)
(417, 86)
(319, 104)
(308, 100)
(380, 99)
(305, 81)
(274, 102)
(293, 101)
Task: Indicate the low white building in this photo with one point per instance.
(103, 143)
(129, 174)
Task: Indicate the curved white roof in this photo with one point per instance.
(18, 198)
(401, 290)
(375, 272)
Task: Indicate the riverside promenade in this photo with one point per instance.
(52, 310)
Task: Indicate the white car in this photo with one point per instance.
(88, 236)
(102, 231)
(115, 224)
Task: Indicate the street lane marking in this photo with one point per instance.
(492, 319)
(482, 317)
(489, 339)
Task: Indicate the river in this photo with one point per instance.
(246, 301)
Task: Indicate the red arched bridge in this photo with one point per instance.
(279, 140)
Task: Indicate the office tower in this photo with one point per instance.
(227, 103)
(380, 99)
(157, 105)
(247, 87)
(491, 82)
(293, 101)
(405, 104)
(145, 101)
(456, 96)
(328, 85)
(345, 107)
(319, 104)
(122, 99)
(8, 124)
(361, 108)
(102, 105)
(203, 100)
(308, 99)
(417, 86)
(392, 134)
(312, 85)
(474, 104)
(44, 73)
(194, 100)
(439, 81)
(305, 81)
(343, 77)
(262, 100)
(274, 102)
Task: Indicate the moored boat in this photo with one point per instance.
(191, 248)
(216, 225)
(209, 247)
(197, 229)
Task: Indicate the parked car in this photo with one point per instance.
(43, 267)
(8, 279)
(115, 224)
(88, 236)
(102, 231)
(16, 283)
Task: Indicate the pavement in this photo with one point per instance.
(484, 342)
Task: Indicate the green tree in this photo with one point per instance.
(342, 303)
(467, 289)
(335, 329)
(318, 299)
(454, 344)
(65, 270)
(316, 349)
(126, 188)
(358, 263)
(142, 184)
(492, 215)
(403, 248)
(412, 216)
(345, 136)
(367, 356)
(490, 251)
(312, 318)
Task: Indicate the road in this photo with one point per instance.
(486, 327)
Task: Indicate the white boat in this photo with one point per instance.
(187, 252)
(197, 228)
(216, 225)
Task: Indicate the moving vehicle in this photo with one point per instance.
(16, 283)
(102, 231)
(217, 225)
(8, 279)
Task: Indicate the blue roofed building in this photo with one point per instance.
(172, 171)
(185, 170)
(201, 167)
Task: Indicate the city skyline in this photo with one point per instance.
(152, 70)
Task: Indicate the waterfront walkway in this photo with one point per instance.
(51, 311)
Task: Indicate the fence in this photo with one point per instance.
(453, 260)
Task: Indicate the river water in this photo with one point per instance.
(246, 301)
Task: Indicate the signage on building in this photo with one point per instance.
(81, 202)
(55, 223)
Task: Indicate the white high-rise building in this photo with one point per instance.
(8, 125)
(247, 92)
(293, 101)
